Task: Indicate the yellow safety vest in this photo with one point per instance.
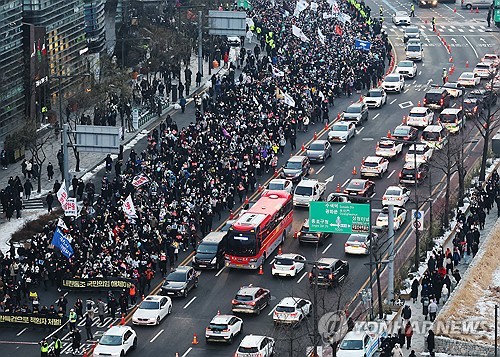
(72, 317)
(44, 348)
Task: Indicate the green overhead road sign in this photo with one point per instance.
(339, 217)
(244, 4)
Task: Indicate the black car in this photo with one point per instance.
(487, 97)
(306, 236)
(405, 133)
(210, 251)
(330, 272)
(359, 188)
(426, 3)
(251, 300)
(437, 99)
(412, 172)
(180, 281)
(295, 168)
(473, 107)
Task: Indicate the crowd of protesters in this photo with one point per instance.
(194, 173)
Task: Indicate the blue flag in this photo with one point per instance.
(60, 241)
(362, 45)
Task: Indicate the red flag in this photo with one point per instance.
(44, 50)
(190, 15)
(338, 30)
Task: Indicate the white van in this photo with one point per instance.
(414, 51)
(435, 136)
(420, 117)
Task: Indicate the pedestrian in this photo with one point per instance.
(132, 293)
(101, 307)
(198, 79)
(433, 308)
(50, 171)
(406, 313)
(112, 305)
(408, 334)
(78, 306)
(49, 199)
(488, 17)
(3, 159)
(444, 293)
(57, 345)
(425, 306)
(182, 102)
(44, 349)
(28, 187)
(412, 354)
(433, 22)
(412, 10)
(73, 318)
(445, 76)
(430, 343)
(397, 351)
(76, 339)
(88, 326)
(89, 305)
(414, 290)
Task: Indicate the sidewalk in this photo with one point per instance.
(90, 161)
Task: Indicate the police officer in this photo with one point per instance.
(44, 348)
(72, 319)
(433, 22)
(412, 12)
(381, 11)
(445, 76)
(57, 345)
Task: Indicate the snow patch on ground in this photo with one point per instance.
(9, 228)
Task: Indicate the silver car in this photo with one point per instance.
(319, 150)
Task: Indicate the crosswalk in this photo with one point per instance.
(392, 29)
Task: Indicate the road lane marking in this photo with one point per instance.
(64, 295)
(392, 173)
(454, 105)
(21, 332)
(342, 148)
(271, 262)
(360, 130)
(190, 302)
(187, 352)
(345, 183)
(393, 101)
(470, 44)
(327, 247)
(220, 271)
(406, 90)
(18, 343)
(156, 336)
(376, 116)
(302, 277)
(321, 169)
(272, 311)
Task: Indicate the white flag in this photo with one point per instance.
(343, 17)
(321, 37)
(327, 15)
(301, 6)
(321, 95)
(128, 207)
(314, 6)
(61, 224)
(298, 32)
(62, 195)
(335, 6)
(277, 72)
(288, 99)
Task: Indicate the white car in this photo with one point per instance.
(374, 166)
(255, 345)
(485, 70)
(407, 68)
(287, 264)
(396, 196)
(419, 153)
(491, 57)
(280, 185)
(383, 219)
(359, 343)
(116, 342)
(468, 79)
(359, 243)
(223, 328)
(420, 117)
(342, 131)
(291, 310)
(401, 18)
(234, 41)
(388, 148)
(375, 98)
(394, 82)
(454, 89)
(152, 310)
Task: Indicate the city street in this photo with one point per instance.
(469, 40)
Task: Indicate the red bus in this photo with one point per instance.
(259, 231)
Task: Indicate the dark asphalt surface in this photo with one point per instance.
(216, 289)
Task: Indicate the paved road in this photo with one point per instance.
(216, 289)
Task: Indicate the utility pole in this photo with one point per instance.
(65, 154)
(315, 309)
(496, 330)
(390, 266)
(371, 263)
(200, 42)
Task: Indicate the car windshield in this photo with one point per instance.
(413, 48)
(205, 248)
(447, 118)
(283, 261)
(386, 145)
(417, 115)
(357, 238)
(303, 191)
(451, 85)
(243, 349)
(467, 76)
(392, 79)
(288, 309)
(370, 164)
(317, 147)
(352, 109)
(393, 192)
(241, 244)
(401, 131)
(351, 345)
(294, 165)
(177, 276)
(483, 66)
(243, 297)
(430, 136)
(149, 305)
(406, 171)
(217, 327)
(338, 127)
(405, 64)
(411, 30)
(276, 186)
(374, 93)
(433, 97)
(110, 340)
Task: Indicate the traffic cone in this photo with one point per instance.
(360, 98)
(280, 251)
(142, 297)
(449, 48)
(388, 133)
(295, 234)
(327, 126)
(195, 340)
(404, 120)
(85, 353)
(419, 104)
(122, 321)
(218, 312)
(261, 270)
(354, 171)
(260, 188)
(315, 136)
(338, 188)
(451, 59)
(471, 9)
(303, 148)
(466, 64)
(231, 215)
(437, 33)
(477, 10)
(275, 174)
(338, 116)
(246, 200)
(455, 9)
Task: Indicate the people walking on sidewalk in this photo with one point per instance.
(397, 351)
(430, 343)
(408, 334)
(406, 314)
(433, 308)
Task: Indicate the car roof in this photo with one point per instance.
(355, 335)
(319, 142)
(296, 158)
(405, 61)
(153, 298)
(394, 188)
(433, 128)
(343, 122)
(221, 319)
(356, 105)
(399, 12)
(435, 90)
(450, 111)
(289, 301)
(183, 268)
(387, 142)
(117, 330)
(282, 181)
(407, 127)
(358, 181)
(327, 261)
(286, 256)
(393, 75)
(467, 73)
(357, 236)
(251, 340)
(373, 158)
(214, 237)
(411, 165)
(419, 110)
(248, 290)
(307, 183)
(419, 146)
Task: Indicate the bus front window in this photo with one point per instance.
(241, 244)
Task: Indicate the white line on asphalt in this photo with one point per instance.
(271, 312)
(392, 173)
(377, 210)
(415, 81)
(302, 277)
(189, 303)
(375, 117)
(320, 169)
(470, 44)
(360, 130)
(454, 105)
(187, 352)
(345, 183)
(327, 247)
(406, 90)
(156, 336)
(21, 332)
(393, 101)
(419, 73)
(220, 271)
(66, 293)
(342, 148)
(271, 262)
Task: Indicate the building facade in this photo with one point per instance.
(12, 93)
(94, 25)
